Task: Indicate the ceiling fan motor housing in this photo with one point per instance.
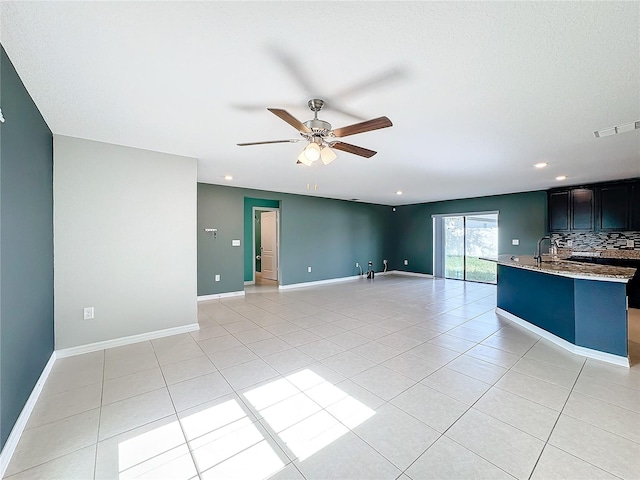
(319, 128)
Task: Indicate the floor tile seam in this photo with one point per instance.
(45, 395)
(579, 458)
(95, 457)
(474, 452)
(195, 464)
(53, 460)
(230, 366)
(109, 380)
(167, 384)
(446, 365)
(404, 472)
(399, 468)
(59, 419)
(606, 401)
(175, 409)
(606, 383)
(546, 442)
(637, 442)
(543, 380)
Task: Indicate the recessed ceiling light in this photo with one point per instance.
(561, 177)
(399, 192)
(228, 177)
(541, 164)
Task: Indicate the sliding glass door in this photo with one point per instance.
(461, 241)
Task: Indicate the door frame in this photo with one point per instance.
(253, 239)
(438, 237)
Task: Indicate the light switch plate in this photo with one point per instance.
(309, 269)
(569, 243)
(631, 243)
(235, 243)
(515, 241)
(217, 278)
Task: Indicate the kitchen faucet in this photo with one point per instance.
(538, 254)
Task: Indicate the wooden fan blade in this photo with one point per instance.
(347, 147)
(375, 124)
(295, 140)
(290, 119)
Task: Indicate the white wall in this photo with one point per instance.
(124, 241)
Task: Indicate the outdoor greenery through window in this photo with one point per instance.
(466, 239)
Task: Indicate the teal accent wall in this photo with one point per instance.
(249, 203)
(521, 215)
(328, 235)
(26, 246)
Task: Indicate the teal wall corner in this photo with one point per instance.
(26, 244)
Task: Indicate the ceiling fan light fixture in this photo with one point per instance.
(327, 155)
(302, 158)
(312, 152)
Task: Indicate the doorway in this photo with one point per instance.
(462, 240)
(266, 269)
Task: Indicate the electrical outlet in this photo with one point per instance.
(357, 264)
(217, 278)
(631, 243)
(569, 243)
(406, 262)
(309, 269)
(89, 313)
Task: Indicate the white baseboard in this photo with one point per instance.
(118, 342)
(585, 352)
(216, 296)
(23, 418)
(321, 282)
(250, 282)
(410, 274)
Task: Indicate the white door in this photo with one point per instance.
(269, 248)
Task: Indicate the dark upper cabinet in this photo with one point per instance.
(582, 207)
(571, 209)
(635, 206)
(559, 211)
(604, 206)
(614, 207)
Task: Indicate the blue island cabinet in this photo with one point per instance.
(591, 314)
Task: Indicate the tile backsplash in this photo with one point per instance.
(585, 241)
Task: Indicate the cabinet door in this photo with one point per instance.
(613, 207)
(635, 206)
(582, 209)
(559, 211)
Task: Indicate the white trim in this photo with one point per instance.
(252, 282)
(320, 282)
(216, 296)
(411, 274)
(118, 342)
(585, 352)
(253, 239)
(16, 432)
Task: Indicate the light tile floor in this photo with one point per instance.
(398, 377)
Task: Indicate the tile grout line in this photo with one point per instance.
(95, 459)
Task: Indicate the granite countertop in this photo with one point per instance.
(562, 267)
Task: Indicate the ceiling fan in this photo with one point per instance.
(321, 137)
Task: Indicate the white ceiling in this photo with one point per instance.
(477, 92)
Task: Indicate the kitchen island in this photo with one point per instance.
(580, 307)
